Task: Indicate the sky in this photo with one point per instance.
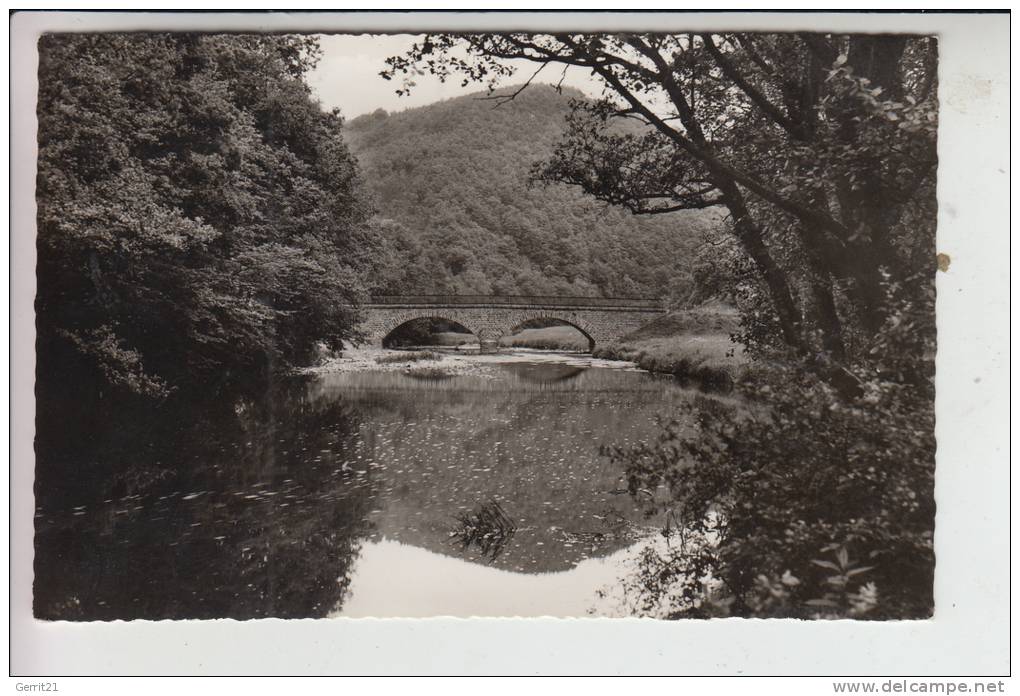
(347, 76)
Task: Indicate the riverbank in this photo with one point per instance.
(692, 345)
(448, 363)
(427, 363)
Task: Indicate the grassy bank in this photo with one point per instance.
(548, 338)
(692, 345)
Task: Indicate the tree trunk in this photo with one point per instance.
(750, 236)
(869, 210)
(825, 308)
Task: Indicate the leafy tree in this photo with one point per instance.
(200, 219)
(815, 499)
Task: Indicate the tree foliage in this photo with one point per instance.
(199, 216)
(761, 505)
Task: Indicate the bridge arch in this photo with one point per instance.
(392, 324)
(585, 328)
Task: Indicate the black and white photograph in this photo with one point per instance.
(504, 324)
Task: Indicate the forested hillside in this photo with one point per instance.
(459, 215)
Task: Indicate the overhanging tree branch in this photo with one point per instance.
(755, 95)
(501, 99)
(702, 152)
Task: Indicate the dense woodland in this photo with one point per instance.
(461, 213)
(201, 221)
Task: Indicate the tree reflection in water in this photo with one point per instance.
(544, 374)
(254, 515)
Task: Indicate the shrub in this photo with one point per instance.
(408, 356)
(801, 505)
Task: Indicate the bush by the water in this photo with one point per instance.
(800, 506)
(408, 356)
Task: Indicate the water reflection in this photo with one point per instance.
(258, 517)
(544, 374)
(440, 585)
(528, 439)
(265, 512)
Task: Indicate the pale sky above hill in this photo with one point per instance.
(347, 77)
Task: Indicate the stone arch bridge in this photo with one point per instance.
(490, 317)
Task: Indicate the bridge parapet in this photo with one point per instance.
(652, 304)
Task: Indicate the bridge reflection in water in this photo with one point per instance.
(530, 441)
(491, 317)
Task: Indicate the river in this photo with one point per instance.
(350, 493)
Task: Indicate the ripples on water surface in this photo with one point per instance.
(340, 494)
